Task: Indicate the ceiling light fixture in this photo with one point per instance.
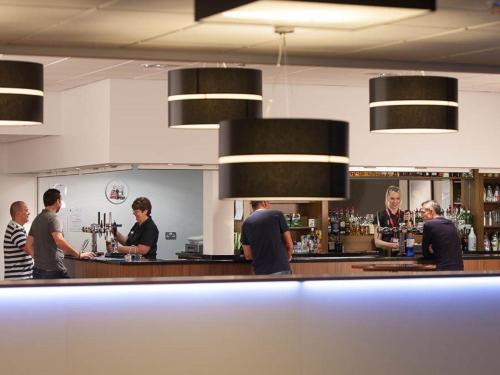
(413, 104)
(199, 98)
(283, 159)
(341, 14)
(21, 93)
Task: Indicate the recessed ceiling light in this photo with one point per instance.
(156, 66)
(341, 14)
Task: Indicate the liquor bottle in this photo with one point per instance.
(487, 243)
(496, 194)
(471, 240)
(465, 241)
(335, 223)
(489, 194)
(494, 242)
(402, 239)
(342, 222)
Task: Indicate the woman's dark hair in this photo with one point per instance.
(50, 197)
(142, 203)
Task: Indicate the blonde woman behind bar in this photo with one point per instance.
(389, 218)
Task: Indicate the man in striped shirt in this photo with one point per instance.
(17, 253)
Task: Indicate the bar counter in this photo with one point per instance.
(102, 267)
(365, 323)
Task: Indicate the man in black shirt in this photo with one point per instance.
(440, 241)
(266, 240)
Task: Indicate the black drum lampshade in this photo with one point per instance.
(413, 104)
(200, 98)
(284, 159)
(21, 93)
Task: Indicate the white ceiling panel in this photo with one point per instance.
(212, 35)
(105, 27)
(55, 3)
(453, 18)
(173, 6)
(394, 32)
(484, 5)
(19, 22)
(434, 48)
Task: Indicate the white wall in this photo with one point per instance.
(218, 223)
(176, 197)
(140, 132)
(15, 188)
(475, 145)
(84, 113)
(136, 114)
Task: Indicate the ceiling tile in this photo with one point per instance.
(55, 3)
(433, 49)
(452, 18)
(213, 35)
(105, 27)
(171, 6)
(18, 22)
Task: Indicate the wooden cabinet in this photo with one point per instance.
(488, 223)
(486, 214)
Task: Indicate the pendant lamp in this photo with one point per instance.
(301, 159)
(339, 14)
(200, 98)
(21, 93)
(413, 104)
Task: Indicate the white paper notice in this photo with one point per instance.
(238, 210)
(75, 219)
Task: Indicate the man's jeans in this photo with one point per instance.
(42, 274)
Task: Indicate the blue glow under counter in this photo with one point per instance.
(378, 324)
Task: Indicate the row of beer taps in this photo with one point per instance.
(103, 228)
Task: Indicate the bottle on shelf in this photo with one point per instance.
(489, 194)
(486, 242)
(464, 238)
(496, 194)
(494, 242)
(471, 240)
(342, 225)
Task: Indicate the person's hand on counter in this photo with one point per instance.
(87, 255)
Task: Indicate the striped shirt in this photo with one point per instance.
(18, 264)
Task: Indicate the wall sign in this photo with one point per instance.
(116, 191)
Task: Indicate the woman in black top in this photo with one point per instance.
(143, 237)
(391, 217)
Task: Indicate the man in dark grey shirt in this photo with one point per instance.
(48, 242)
(266, 240)
(440, 240)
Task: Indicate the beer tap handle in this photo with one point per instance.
(98, 217)
(104, 220)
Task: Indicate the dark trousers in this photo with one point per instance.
(42, 274)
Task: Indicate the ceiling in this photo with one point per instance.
(83, 41)
(462, 35)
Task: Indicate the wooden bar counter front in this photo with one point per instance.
(104, 267)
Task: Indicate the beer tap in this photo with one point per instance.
(102, 227)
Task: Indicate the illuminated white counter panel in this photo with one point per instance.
(365, 324)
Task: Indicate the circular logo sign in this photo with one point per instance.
(116, 192)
